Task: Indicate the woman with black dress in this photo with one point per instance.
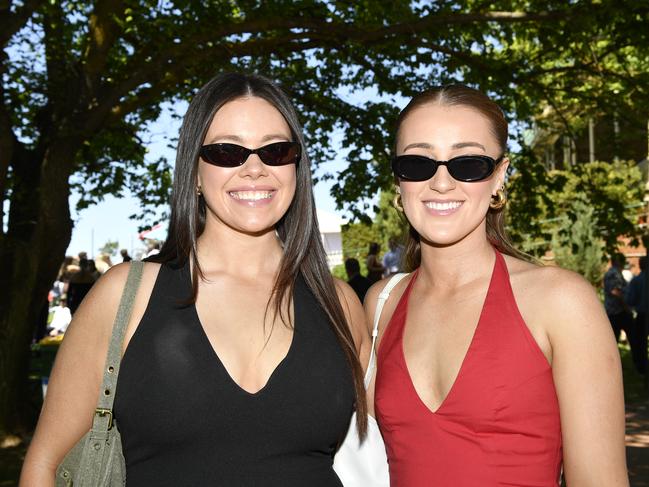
(241, 358)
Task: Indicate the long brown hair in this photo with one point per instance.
(461, 95)
(298, 229)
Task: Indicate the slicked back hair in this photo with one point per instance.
(461, 95)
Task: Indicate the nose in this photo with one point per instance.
(442, 181)
(253, 167)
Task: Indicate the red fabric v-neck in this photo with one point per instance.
(499, 424)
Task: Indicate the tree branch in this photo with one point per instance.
(348, 30)
(103, 31)
(167, 64)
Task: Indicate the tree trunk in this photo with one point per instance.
(31, 252)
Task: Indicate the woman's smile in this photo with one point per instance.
(442, 207)
(253, 197)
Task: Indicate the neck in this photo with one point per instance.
(454, 265)
(224, 249)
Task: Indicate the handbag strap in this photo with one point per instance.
(383, 297)
(103, 418)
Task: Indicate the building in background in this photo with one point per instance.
(331, 233)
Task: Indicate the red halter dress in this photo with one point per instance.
(499, 424)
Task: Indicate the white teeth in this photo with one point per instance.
(251, 195)
(447, 205)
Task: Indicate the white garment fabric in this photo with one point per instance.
(366, 464)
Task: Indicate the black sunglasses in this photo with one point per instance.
(233, 155)
(462, 168)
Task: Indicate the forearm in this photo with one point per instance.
(37, 472)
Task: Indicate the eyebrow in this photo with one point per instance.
(237, 138)
(459, 145)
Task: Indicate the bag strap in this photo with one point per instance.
(103, 418)
(383, 297)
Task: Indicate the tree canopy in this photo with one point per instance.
(80, 79)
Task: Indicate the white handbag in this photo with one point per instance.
(366, 464)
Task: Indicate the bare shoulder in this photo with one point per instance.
(354, 315)
(345, 292)
(108, 289)
(558, 297)
(557, 286)
(350, 303)
(97, 312)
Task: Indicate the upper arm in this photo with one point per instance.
(588, 380)
(355, 317)
(76, 376)
(369, 303)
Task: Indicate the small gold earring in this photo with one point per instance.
(199, 190)
(498, 200)
(396, 201)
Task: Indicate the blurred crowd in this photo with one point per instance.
(377, 268)
(76, 276)
(625, 301)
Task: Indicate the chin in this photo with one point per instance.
(448, 235)
(256, 228)
(440, 239)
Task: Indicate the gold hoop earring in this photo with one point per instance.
(396, 201)
(199, 190)
(498, 200)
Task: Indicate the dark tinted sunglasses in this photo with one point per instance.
(233, 155)
(462, 168)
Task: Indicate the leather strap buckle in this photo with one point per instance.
(103, 412)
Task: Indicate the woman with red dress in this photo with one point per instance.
(492, 370)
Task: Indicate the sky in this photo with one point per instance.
(109, 219)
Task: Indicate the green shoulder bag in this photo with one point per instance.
(97, 460)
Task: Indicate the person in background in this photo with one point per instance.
(636, 299)
(65, 271)
(359, 283)
(374, 267)
(627, 273)
(125, 256)
(615, 285)
(103, 263)
(154, 249)
(392, 258)
(80, 284)
(61, 318)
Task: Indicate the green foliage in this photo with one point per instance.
(357, 238)
(576, 245)
(549, 205)
(110, 247)
(389, 222)
(100, 72)
(339, 272)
